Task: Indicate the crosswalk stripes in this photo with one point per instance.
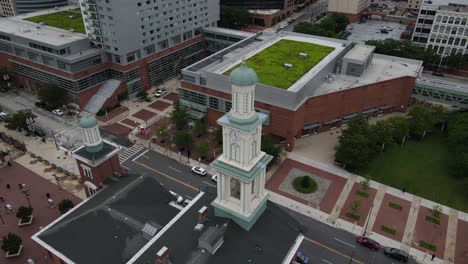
(128, 153)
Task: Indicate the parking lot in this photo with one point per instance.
(371, 31)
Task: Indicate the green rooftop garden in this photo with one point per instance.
(70, 19)
(269, 63)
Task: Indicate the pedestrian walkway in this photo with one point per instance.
(129, 152)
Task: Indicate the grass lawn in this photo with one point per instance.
(62, 20)
(269, 63)
(423, 169)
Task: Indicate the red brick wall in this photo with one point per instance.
(100, 172)
(288, 124)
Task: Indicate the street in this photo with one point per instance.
(65, 128)
(322, 243)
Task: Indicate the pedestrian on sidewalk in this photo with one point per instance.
(8, 186)
(433, 257)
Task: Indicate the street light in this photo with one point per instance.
(25, 191)
(58, 182)
(1, 218)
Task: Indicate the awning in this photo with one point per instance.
(350, 116)
(333, 121)
(369, 111)
(310, 126)
(386, 107)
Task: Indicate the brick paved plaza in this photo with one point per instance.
(43, 214)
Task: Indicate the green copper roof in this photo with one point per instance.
(243, 76)
(245, 125)
(88, 122)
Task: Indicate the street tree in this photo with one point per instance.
(53, 96)
(233, 17)
(183, 140)
(65, 205)
(179, 115)
(399, 128)
(340, 20)
(456, 61)
(420, 120)
(269, 147)
(18, 120)
(199, 127)
(202, 149)
(162, 133)
(381, 134)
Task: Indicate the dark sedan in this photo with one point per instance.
(396, 254)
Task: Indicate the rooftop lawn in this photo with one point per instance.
(62, 20)
(269, 63)
(422, 167)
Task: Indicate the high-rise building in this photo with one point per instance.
(7, 8)
(131, 30)
(111, 48)
(352, 9)
(442, 26)
(414, 4)
(27, 6)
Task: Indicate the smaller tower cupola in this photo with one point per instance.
(243, 80)
(91, 135)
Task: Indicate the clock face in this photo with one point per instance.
(235, 135)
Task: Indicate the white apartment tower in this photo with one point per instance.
(133, 29)
(443, 26)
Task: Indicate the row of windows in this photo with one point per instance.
(452, 20)
(450, 41)
(450, 30)
(445, 50)
(50, 50)
(5, 37)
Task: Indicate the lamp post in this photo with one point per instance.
(25, 191)
(367, 222)
(1, 218)
(57, 179)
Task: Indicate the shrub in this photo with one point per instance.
(355, 205)
(304, 184)
(387, 229)
(65, 205)
(11, 243)
(395, 206)
(426, 245)
(432, 219)
(353, 216)
(362, 193)
(436, 210)
(24, 213)
(365, 184)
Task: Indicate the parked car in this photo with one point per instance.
(179, 198)
(301, 258)
(396, 254)
(160, 92)
(214, 178)
(367, 242)
(44, 106)
(58, 112)
(3, 115)
(437, 73)
(39, 133)
(283, 26)
(384, 31)
(199, 170)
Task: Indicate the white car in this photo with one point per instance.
(214, 178)
(283, 26)
(199, 170)
(3, 115)
(58, 112)
(160, 92)
(179, 198)
(186, 202)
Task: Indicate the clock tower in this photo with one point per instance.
(241, 181)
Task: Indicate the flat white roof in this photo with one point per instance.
(229, 31)
(359, 52)
(338, 47)
(382, 68)
(264, 12)
(46, 34)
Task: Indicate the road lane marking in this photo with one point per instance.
(137, 157)
(125, 167)
(145, 156)
(172, 168)
(344, 242)
(207, 183)
(167, 176)
(326, 261)
(331, 249)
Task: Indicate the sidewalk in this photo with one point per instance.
(409, 223)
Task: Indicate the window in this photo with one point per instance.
(87, 171)
(246, 100)
(235, 188)
(254, 149)
(235, 152)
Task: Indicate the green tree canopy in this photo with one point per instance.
(179, 115)
(65, 205)
(11, 243)
(399, 128)
(161, 132)
(340, 20)
(233, 17)
(202, 149)
(53, 96)
(199, 127)
(269, 147)
(183, 139)
(18, 120)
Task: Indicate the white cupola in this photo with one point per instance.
(91, 135)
